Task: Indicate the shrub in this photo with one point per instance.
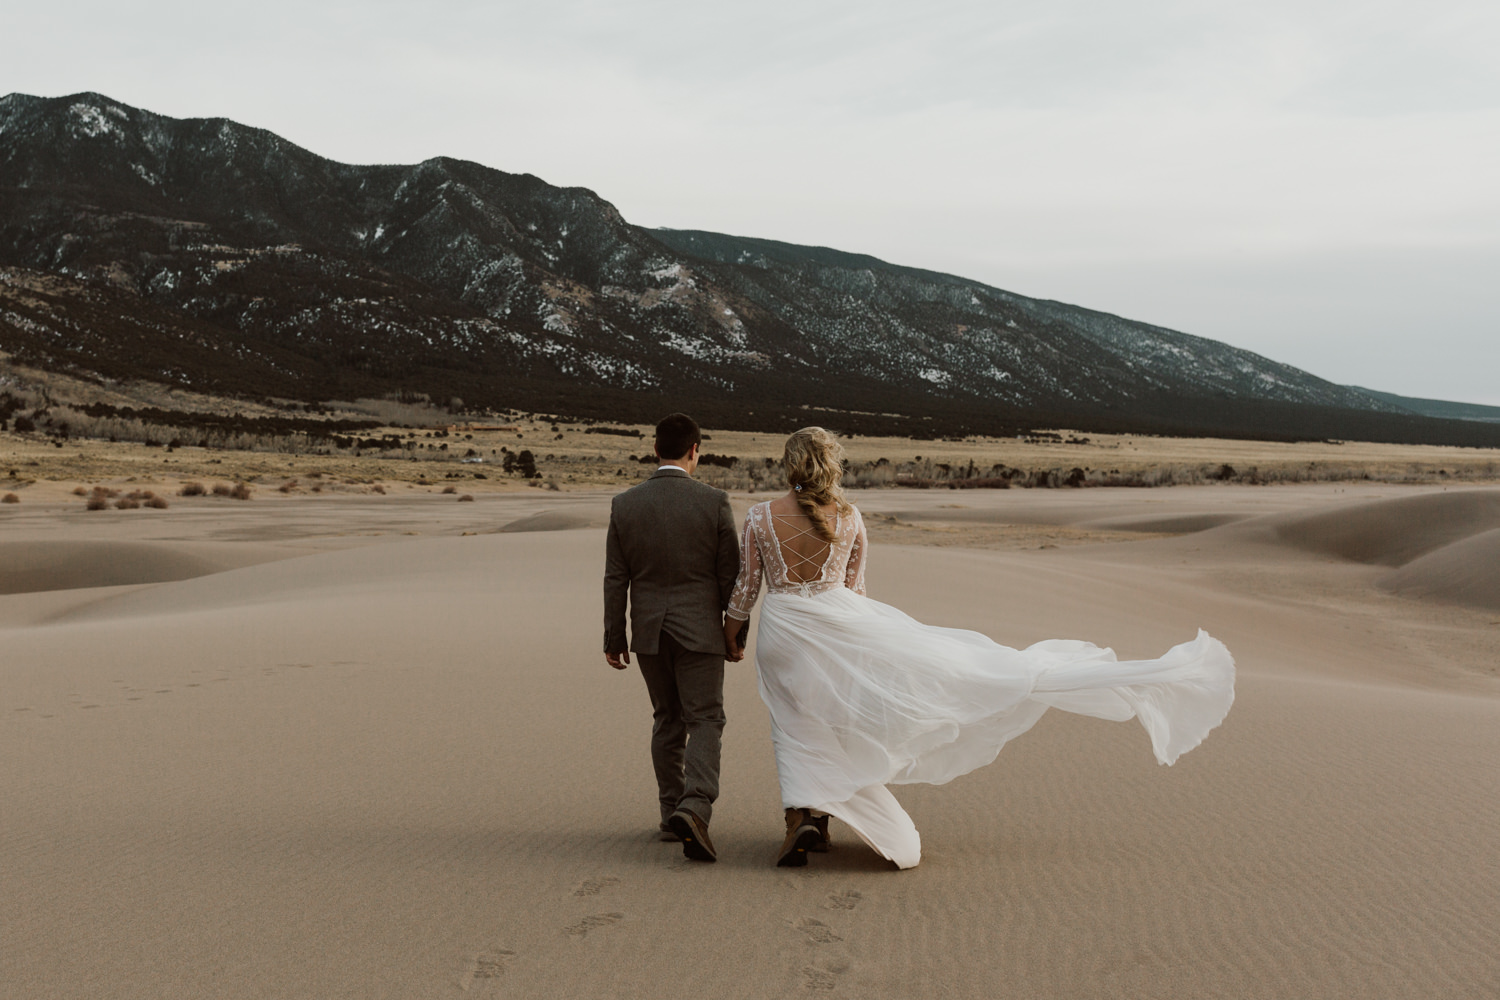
(191, 490)
(723, 461)
(96, 501)
(241, 491)
(79, 491)
(288, 486)
(10, 498)
(126, 503)
(23, 425)
(378, 488)
(223, 489)
(450, 489)
(158, 503)
(467, 496)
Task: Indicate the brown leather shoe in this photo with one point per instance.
(694, 834)
(801, 835)
(825, 843)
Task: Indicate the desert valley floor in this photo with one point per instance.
(366, 746)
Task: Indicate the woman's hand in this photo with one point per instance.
(733, 651)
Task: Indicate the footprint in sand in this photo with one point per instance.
(593, 923)
(799, 879)
(488, 965)
(815, 931)
(594, 885)
(847, 899)
(824, 976)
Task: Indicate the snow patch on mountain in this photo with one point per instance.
(90, 121)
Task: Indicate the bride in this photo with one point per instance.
(862, 696)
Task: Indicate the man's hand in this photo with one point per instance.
(618, 660)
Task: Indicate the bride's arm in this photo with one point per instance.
(854, 575)
(746, 590)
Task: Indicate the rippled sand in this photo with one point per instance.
(366, 747)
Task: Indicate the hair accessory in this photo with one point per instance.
(797, 487)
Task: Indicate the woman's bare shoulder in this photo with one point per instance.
(782, 505)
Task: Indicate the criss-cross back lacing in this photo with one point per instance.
(765, 557)
(796, 563)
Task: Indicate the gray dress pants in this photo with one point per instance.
(687, 704)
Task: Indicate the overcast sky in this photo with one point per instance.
(1315, 180)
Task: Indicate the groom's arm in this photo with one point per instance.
(729, 552)
(616, 589)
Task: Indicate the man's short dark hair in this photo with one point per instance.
(676, 435)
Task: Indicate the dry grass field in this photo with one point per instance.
(570, 457)
(279, 449)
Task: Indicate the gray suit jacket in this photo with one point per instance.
(674, 550)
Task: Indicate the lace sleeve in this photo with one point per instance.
(854, 575)
(747, 586)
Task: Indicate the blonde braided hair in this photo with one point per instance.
(814, 465)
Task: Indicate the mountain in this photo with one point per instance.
(210, 255)
(1440, 408)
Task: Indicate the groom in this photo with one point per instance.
(673, 549)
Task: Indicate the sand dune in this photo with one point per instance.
(1465, 572)
(553, 520)
(399, 768)
(1394, 532)
(1172, 524)
(1446, 545)
(33, 566)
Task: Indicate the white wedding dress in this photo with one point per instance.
(862, 696)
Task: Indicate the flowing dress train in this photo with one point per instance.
(862, 696)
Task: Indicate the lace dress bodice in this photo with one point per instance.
(765, 557)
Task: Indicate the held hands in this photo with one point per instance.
(734, 633)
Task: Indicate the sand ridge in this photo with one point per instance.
(34, 566)
(1466, 571)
